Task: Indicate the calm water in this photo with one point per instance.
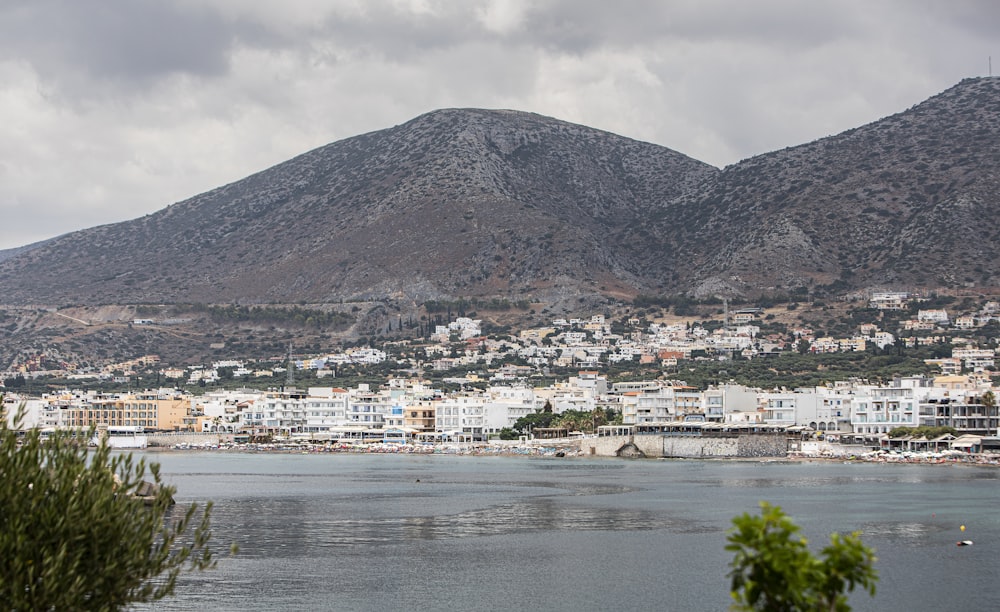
(363, 532)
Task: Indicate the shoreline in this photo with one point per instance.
(563, 450)
(379, 448)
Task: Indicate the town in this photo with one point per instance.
(493, 386)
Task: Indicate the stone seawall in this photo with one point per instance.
(690, 447)
(763, 445)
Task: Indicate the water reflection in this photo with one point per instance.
(902, 531)
(289, 527)
(797, 483)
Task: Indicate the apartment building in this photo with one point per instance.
(880, 409)
(149, 410)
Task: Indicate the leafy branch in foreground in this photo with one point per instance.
(774, 570)
(80, 529)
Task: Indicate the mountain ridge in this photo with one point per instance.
(473, 202)
(892, 190)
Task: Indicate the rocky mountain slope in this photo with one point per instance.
(503, 203)
(455, 202)
(910, 201)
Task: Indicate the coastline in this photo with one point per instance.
(564, 449)
(378, 448)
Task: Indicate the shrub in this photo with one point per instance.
(774, 570)
(75, 533)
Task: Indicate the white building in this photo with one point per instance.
(655, 405)
(879, 409)
(731, 403)
(889, 300)
(462, 416)
(37, 413)
(325, 409)
(367, 408)
(505, 405)
(789, 407)
(936, 316)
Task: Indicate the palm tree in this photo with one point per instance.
(989, 402)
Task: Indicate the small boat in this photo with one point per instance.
(964, 543)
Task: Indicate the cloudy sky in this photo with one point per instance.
(114, 109)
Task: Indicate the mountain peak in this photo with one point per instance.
(502, 203)
(453, 202)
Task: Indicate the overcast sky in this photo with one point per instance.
(114, 109)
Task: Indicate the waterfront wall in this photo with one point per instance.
(606, 446)
(766, 445)
(690, 447)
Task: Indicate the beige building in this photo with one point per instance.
(149, 410)
(421, 415)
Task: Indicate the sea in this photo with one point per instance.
(446, 532)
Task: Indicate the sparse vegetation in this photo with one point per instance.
(294, 315)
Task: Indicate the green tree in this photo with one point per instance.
(75, 534)
(533, 421)
(927, 431)
(773, 569)
(509, 434)
(14, 382)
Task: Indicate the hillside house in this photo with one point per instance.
(965, 322)
(742, 318)
(936, 316)
(889, 300)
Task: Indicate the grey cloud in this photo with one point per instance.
(979, 17)
(577, 27)
(114, 41)
(386, 32)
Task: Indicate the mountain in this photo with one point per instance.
(455, 202)
(909, 201)
(466, 202)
